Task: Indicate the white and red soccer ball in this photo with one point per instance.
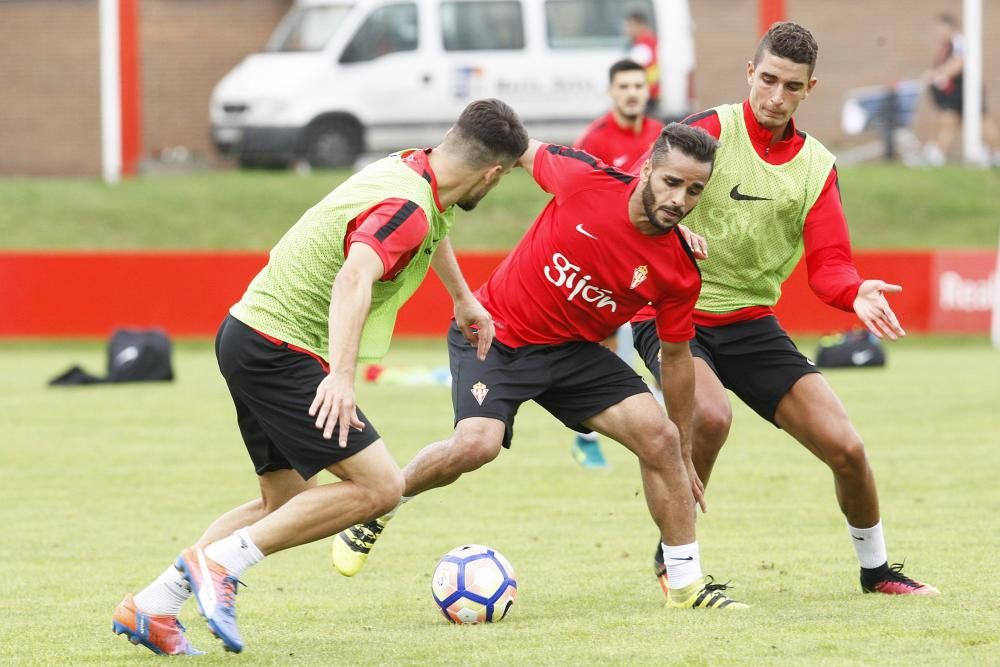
(474, 584)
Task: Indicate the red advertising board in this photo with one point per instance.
(187, 294)
(962, 291)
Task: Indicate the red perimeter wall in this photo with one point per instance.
(188, 294)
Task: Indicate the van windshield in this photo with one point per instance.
(308, 28)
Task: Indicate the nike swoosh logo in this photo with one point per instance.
(859, 539)
(688, 558)
(583, 231)
(739, 196)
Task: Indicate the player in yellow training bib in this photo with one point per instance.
(773, 197)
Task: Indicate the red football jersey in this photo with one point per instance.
(583, 269)
(619, 146)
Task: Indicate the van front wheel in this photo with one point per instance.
(332, 144)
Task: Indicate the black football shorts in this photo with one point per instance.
(272, 387)
(573, 381)
(756, 360)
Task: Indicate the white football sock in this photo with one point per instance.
(235, 553)
(402, 501)
(165, 596)
(869, 545)
(589, 437)
(683, 564)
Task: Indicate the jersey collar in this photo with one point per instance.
(760, 138)
(417, 159)
(628, 130)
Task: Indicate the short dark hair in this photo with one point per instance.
(789, 40)
(638, 16)
(624, 65)
(490, 131)
(692, 141)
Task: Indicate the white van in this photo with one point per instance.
(343, 77)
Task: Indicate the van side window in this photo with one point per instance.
(308, 28)
(494, 25)
(581, 24)
(388, 29)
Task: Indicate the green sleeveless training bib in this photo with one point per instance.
(752, 215)
(290, 298)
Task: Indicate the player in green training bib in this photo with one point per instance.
(289, 351)
(773, 198)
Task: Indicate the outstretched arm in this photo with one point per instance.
(677, 376)
(474, 320)
(874, 311)
(350, 301)
(832, 274)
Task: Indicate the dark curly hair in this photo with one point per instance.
(789, 40)
(692, 141)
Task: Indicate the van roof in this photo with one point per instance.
(316, 3)
(324, 2)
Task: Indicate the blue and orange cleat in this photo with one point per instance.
(215, 590)
(163, 635)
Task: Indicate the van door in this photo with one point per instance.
(484, 51)
(583, 38)
(384, 72)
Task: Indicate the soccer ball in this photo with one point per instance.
(474, 584)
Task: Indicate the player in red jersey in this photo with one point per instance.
(624, 134)
(603, 247)
(775, 197)
(619, 138)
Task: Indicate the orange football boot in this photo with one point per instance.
(163, 635)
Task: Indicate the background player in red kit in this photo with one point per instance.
(603, 247)
(624, 134)
(774, 197)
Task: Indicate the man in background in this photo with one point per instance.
(945, 81)
(642, 49)
(624, 134)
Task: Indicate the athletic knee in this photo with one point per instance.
(659, 441)
(847, 458)
(266, 505)
(474, 446)
(712, 423)
(385, 493)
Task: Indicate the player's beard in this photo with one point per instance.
(472, 199)
(650, 208)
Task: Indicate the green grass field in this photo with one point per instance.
(887, 206)
(100, 487)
